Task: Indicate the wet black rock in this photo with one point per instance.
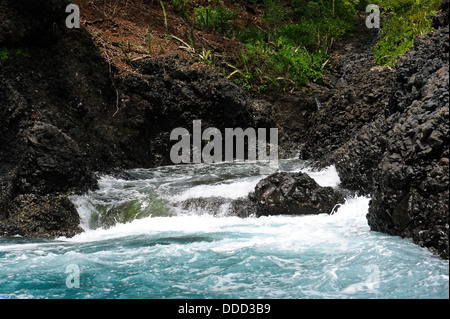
(205, 205)
(411, 193)
(244, 207)
(288, 194)
(66, 113)
(398, 147)
(294, 194)
(43, 216)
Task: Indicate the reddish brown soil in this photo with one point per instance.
(123, 25)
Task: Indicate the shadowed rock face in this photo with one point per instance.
(40, 164)
(31, 22)
(66, 113)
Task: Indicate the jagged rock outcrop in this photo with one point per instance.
(172, 92)
(353, 104)
(398, 152)
(66, 113)
(40, 164)
(411, 181)
(285, 193)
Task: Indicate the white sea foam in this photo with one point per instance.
(284, 232)
(232, 190)
(205, 256)
(325, 177)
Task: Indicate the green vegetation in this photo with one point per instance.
(405, 20)
(289, 45)
(4, 53)
(8, 53)
(274, 12)
(180, 8)
(218, 18)
(292, 47)
(165, 15)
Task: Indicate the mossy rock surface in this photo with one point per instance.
(108, 216)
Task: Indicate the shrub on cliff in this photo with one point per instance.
(405, 19)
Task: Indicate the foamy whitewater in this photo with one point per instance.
(178, 252)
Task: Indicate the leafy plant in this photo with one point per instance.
(206, 56)
(4, 53)
(165, 15)
(8, 53)
(219, 19)
(274, 12)
(406, 19)
(180, 8)
(185, 46)
(291, 54)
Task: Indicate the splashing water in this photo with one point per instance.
(140, 241)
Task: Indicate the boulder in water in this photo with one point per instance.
(44, 216)
(285, 193)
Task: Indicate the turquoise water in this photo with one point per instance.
(202, 252)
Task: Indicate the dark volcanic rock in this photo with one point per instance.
(392, 141)
(42, 154)
(209, 205)
(341, 131)
(65, 113)
(171, 92)
(53, 163)
(441, 18)
(294, 194)
(411, 194)
(288, 194)
(31, 22)
(46, 216)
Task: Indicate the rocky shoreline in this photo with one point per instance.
(387, 133)
(67, 114)
(400, 157)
